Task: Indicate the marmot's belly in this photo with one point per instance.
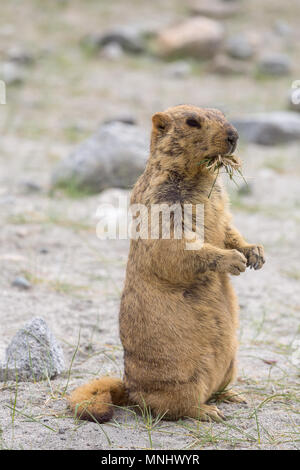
(176, 339)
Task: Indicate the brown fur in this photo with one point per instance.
(179, 313)
(93, 401)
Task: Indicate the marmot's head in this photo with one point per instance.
(186, 135)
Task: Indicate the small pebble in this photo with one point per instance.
(12, 73)
(30, 186)
(275, 64)
(21, 283)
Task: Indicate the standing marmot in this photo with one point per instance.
(179, 313)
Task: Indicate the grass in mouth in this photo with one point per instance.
(230, 163)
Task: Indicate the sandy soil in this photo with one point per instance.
(77, 279)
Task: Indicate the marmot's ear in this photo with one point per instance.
(161, 122)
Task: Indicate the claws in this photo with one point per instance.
(209, 413)
(255, 256)
(231, 396)
(214, 414)
(237, 263)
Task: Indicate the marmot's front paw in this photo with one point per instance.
(255, 256)
(233, 262)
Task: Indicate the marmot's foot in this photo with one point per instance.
(233, 262)
(209, 413)
(255, 256)
(230, 396)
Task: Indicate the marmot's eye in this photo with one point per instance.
(193, 123)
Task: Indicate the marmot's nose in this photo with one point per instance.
(232, 137)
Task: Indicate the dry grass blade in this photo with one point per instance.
(230, 163)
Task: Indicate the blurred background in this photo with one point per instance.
(70, 65)
(82, 79)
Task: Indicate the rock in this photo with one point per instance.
(11, 73)
(125, 118)
(282, 28)
(274, 64)
(31, 186)
(33, 354)
(269, 128)
(294, 97)
(178, 69)
(129, 38)
(197, 37)
(19, 55)
(113, 157)
(21, 282)
(223, 65)
(213, 9)
(112, 51)
(240, 46)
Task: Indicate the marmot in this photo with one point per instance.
(179, 312)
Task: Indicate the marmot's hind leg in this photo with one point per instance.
(230, 396)
(206, 413)
(186, 401)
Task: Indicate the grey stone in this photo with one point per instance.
(274, 64)
(240, 47)
(125, 118)
(269, 128)
(282, 28)
(21, 282)
(112, 51)
(113, 157)
(20, 55)
(12, 73)
(33, 354)
(31, 186)
(129, 38)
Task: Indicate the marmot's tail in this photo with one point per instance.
(95, 400)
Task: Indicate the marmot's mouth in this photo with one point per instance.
(228, 161)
